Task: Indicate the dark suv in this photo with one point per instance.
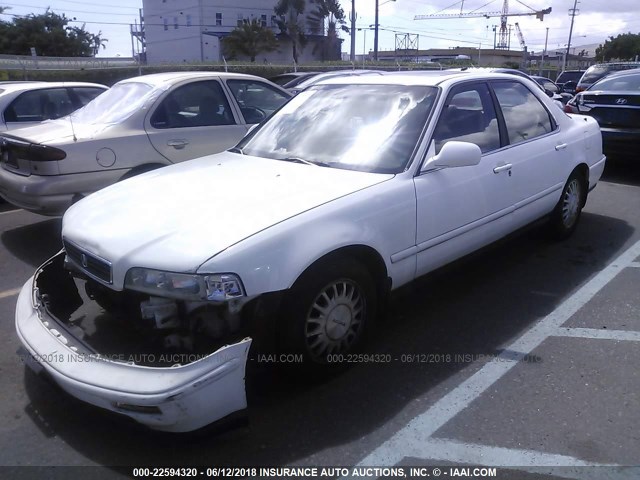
(568, 80)
(596, 72)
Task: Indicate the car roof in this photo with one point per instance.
(155, 79)
(24, 86)
(426, 78)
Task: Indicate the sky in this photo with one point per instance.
(597, 20)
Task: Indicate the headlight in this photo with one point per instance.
(217, 288)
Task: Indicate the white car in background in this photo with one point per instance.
(28, 103)
(354, 188)
(140, 124)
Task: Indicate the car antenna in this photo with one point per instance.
(73, 131)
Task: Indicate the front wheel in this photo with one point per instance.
(328, 312)
(566, 215)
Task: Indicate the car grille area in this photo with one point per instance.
(88, 262)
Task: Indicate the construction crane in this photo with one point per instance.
(503, 14)
(521, 37)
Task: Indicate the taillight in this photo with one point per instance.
(580, 89)
(16, 147)
(43, 153)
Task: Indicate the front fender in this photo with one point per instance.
(381, 217)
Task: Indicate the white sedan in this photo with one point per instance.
(354, 188)
(24, 104)
(140, 124)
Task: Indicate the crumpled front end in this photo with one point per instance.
(166, 378)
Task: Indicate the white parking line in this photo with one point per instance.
(460, 452)
(421, 428)
(10, 293)
(598, 334)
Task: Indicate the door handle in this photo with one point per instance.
(562, 146)
(502, 168)
(177, 144)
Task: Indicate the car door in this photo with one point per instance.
(535, 150)
(193, 120)
(256, 100)
(460, 209)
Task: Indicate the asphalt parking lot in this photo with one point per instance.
(523, 355)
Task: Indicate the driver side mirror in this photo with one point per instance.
(455, 154)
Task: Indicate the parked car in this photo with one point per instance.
(354, 188)
(295, 89)
(601, 70)
(28, 103)
(550, 86)
(512, 71)
(291, 79)
(140, 124)
(568, 80)
(614, 102)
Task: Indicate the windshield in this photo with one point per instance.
(371, 128)
(569, 77)
(114, 105)
(623, 83)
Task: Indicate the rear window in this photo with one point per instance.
(569, 77)
(623, 83)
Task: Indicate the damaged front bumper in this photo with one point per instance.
(177, 398)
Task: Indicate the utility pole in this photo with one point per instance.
(375, 33)
(353, 30)
(546, 39)
(573, 12)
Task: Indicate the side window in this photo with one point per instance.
(85, 94)
(469, 116)
(524, 115)
(197, 104)
(257, 100)
(39, 105)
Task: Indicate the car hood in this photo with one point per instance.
(177, 217)
(60, 131)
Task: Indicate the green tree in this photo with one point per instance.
(331, 12)
(623, 47)
(249, 39)
(50, 34)
(290, 24)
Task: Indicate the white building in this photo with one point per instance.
(178, 31)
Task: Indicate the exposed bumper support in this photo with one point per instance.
(176, 399)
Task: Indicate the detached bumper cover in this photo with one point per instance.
(175, 399)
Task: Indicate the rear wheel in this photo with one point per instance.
(566, 215)
(328, 311)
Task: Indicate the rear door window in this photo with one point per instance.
(524, 115)
(197, 104)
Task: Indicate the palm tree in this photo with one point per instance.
(96, 41)
(249, 39)
(290, 24)
(331, 11)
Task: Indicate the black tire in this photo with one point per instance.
(346, 288)
(566, 215)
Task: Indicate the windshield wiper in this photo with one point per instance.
(236, 150)
(306, 162)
